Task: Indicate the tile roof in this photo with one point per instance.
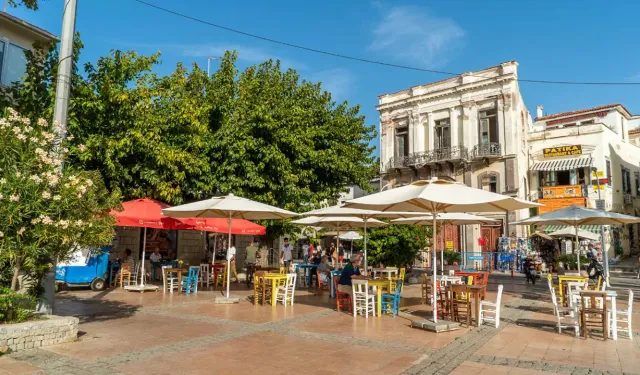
(38, 30)
(634, 131)
(571, 113)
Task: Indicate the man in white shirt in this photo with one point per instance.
(305, 252)
(287, 253)
(231, 256)
(155, 258)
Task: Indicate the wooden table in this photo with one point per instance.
(388, 271)
(477, 292)
(179, 271)
(611, 294)
(379, 284)
(275, 279)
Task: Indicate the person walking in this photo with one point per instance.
(305, 252)
(286, 254)
(340, 254)
(231, 257)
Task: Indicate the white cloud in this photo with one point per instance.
(412, 35)
(337, 81)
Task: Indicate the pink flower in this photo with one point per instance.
(21, 231)
(42, 122)
(82, 148)
(46, 195)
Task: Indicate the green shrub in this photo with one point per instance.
(451, 256)
(570, 261)
(15, 307)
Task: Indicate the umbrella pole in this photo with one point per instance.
(366, 268)
(442, 250)
(578, 248)
(213, 256)
(228, 258)
(144, 246)
(433, 246)
(337, 252)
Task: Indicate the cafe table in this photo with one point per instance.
(562, 284)
(307, 269)
(611, 295)
(477, 293)
(179, 271)
(276, 279)
(379, 284)
(389, 271)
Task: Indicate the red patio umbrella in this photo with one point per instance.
(238, 226)
(145, 213)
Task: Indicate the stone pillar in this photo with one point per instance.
(430, 131)
(470, 123)
(453, 127)
(501, 126)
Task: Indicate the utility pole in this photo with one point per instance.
(60, 112)
(209, 64)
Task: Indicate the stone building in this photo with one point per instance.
(471, 128)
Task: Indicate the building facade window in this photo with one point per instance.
(636, 177)
(608, 171)
(13, 63)
(442, 134)
(489, 181)
(488, 126)
(402, 142)
(626, 181)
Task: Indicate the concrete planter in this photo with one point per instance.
(49, 331)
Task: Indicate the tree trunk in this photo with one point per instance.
(16, 273)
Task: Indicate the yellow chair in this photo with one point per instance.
(283, 270)
(259, 286)
(125, 274)
(392, 285)
(221, 279)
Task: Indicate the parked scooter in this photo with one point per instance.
(530, 271)
(594, 269)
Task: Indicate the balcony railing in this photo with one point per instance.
(485, 150)
(426, 157)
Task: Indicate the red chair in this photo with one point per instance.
(342, 298)
(321, 286)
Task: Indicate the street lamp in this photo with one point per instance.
(209, 58)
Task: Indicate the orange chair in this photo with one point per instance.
(342, 298)
(321, 286)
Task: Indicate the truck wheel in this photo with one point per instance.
(97, 284)
(58, 287)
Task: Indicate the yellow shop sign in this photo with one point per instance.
(552, 152)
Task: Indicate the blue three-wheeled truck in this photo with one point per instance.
(87, 267)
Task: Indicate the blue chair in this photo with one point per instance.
(391, 301)
(190, 282)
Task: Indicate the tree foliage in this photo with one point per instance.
(45, 211)
(29, 4)
(396, 245)
(264, 133)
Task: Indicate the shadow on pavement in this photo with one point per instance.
(95, 309)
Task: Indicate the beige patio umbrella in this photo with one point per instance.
(576, 216)
(338, 223)
(437, 196)
(454, 218)
(230, 207)
(366, 215)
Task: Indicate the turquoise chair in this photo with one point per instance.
(391, 301)
(190, 282)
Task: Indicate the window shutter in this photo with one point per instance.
(512, 172)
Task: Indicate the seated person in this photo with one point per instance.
(324, 270)
(128, 258)
(155, 258)
(317, 259)
(349, 272)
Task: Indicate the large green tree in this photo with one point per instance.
(397, 245)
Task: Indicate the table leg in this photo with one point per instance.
(614, 323)
(273, 292)
(179, 282)
(478, 309)
(379, 302)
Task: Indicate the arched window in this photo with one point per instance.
(489, 181)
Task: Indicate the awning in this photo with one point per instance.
(562, 164)
(553, 228)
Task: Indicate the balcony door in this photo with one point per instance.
(488, 127)
(401, 143)
(442, 134)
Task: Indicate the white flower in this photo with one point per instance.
(28, 129)
(43, 122)
(53, 180)
(70, 138)
(1, 234)
(3, 123)
(16, 130)
(18, 174)
(22, 230)
(64, 224)
(57, 197)
(1, 197)
(35, 178)
(89, 182)
(79, 223)
(25, 120)
(46, 195)
(34, 139)
(22, 137)
(35, 221)
(82, 189)
(82, 148)
(3, 181)
(46, 220)
(14, 198)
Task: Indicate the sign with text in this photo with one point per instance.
(449, 245)
(553, 152)
(598, 174)
(556, 204)
(565, 191)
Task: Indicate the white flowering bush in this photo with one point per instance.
(45, 210)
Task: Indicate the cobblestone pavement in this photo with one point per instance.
(162, 334)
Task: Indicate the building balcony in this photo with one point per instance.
(418, 159)
(487, 150)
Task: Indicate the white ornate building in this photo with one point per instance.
(471, 128)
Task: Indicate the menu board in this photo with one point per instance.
(558, 203)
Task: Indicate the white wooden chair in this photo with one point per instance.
(567, 316)
(135, 273)
(204, 277)
(490, 311)
(623, 316)
(169, 280)
(573, 293)
(363, 302)
(287, 292)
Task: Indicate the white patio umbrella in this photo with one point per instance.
(569, 232)
(341, 210)
(339, 222)
(576, 216)
(351, 236)
(437, 196)
(230, 207)
(455, 218)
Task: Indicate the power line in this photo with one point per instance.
(360, 59)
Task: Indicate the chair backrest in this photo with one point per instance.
(603, 287)
(590, 300)
(194, 271)
(555, 302)
(204, 269)
(500, 287)
(398, 290)
(360, 287)
(630, 307)
(402, 273)
(126, 267)
(291, 280)
(283, 270)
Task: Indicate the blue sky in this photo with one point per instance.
(553, 40)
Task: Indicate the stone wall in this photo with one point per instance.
(51, 331)
(191, 246)
(126, 237)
